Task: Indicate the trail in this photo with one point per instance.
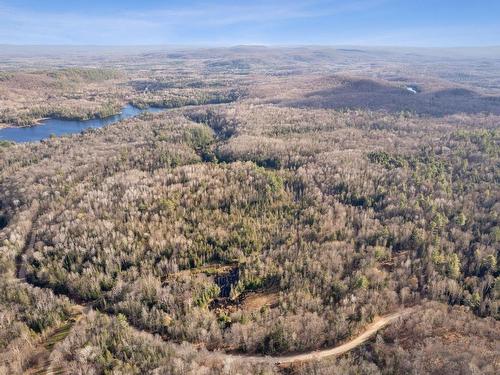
(368, 332)
(40, 361)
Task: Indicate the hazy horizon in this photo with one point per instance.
(249, 45)
(377, 23)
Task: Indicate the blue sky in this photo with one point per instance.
(294, 22)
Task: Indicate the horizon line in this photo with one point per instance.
(262, 45)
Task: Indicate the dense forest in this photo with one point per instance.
(248, 220)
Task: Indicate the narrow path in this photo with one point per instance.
(368, 332)
(41, 363)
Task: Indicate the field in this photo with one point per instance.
(284, 201)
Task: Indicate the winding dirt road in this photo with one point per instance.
(369, 331)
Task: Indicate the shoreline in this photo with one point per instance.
(21, 134)
(40, 121)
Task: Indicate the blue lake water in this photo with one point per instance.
(62, 127)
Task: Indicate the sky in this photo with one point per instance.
(415, 23)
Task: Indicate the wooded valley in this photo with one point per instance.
(278, 205)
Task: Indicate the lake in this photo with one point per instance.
(63, 127)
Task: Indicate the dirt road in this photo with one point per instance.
(368, 332)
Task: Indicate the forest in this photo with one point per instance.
(270, 209)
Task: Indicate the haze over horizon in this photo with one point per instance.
(228, 23)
